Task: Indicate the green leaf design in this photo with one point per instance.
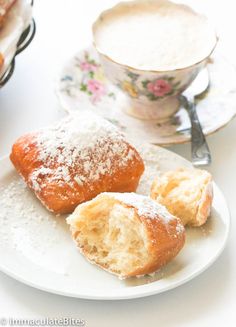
(176, 84)
(83, 87)
(152, 97)
(112, 95)
(133, 76)
(91, 74)
(170, 93)
(145, 83)
(92, 61)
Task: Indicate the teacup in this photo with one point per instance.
(153, 93)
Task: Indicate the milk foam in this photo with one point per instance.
(154, 35)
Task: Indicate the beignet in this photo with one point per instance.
(126, 234)
(5, 6)
(186, 193)
(76, 159)
(1, 61)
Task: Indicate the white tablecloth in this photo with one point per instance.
(28, 101)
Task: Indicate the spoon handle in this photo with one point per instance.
(201, 155)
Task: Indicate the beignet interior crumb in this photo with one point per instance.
(112, 236)
(181, 192)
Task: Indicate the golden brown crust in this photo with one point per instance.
(60, 196)
(164, 237)
(164, 244)
(205, 204)
(1, 61)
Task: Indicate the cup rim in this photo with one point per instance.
(99, 18)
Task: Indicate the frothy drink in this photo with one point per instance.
(155, 35)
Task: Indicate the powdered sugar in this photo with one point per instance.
(29, 229)
(145, 206)
(179, 228)
(45, 240)
(85, 138)
(18, 211)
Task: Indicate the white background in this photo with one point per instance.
(28, 101)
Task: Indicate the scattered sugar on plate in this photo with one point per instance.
(28, 228)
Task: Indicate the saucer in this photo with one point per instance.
(81, 85)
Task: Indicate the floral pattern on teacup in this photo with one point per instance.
(213, 114)
(130, 88)
(153, 90)
(92, 80)
(158, 88)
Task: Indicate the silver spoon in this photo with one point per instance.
(201, 155)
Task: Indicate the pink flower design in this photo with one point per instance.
(159, 87)
(86, 66)
(97, 89)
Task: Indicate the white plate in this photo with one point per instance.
(36, 247)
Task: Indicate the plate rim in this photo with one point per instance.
(138, 291)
